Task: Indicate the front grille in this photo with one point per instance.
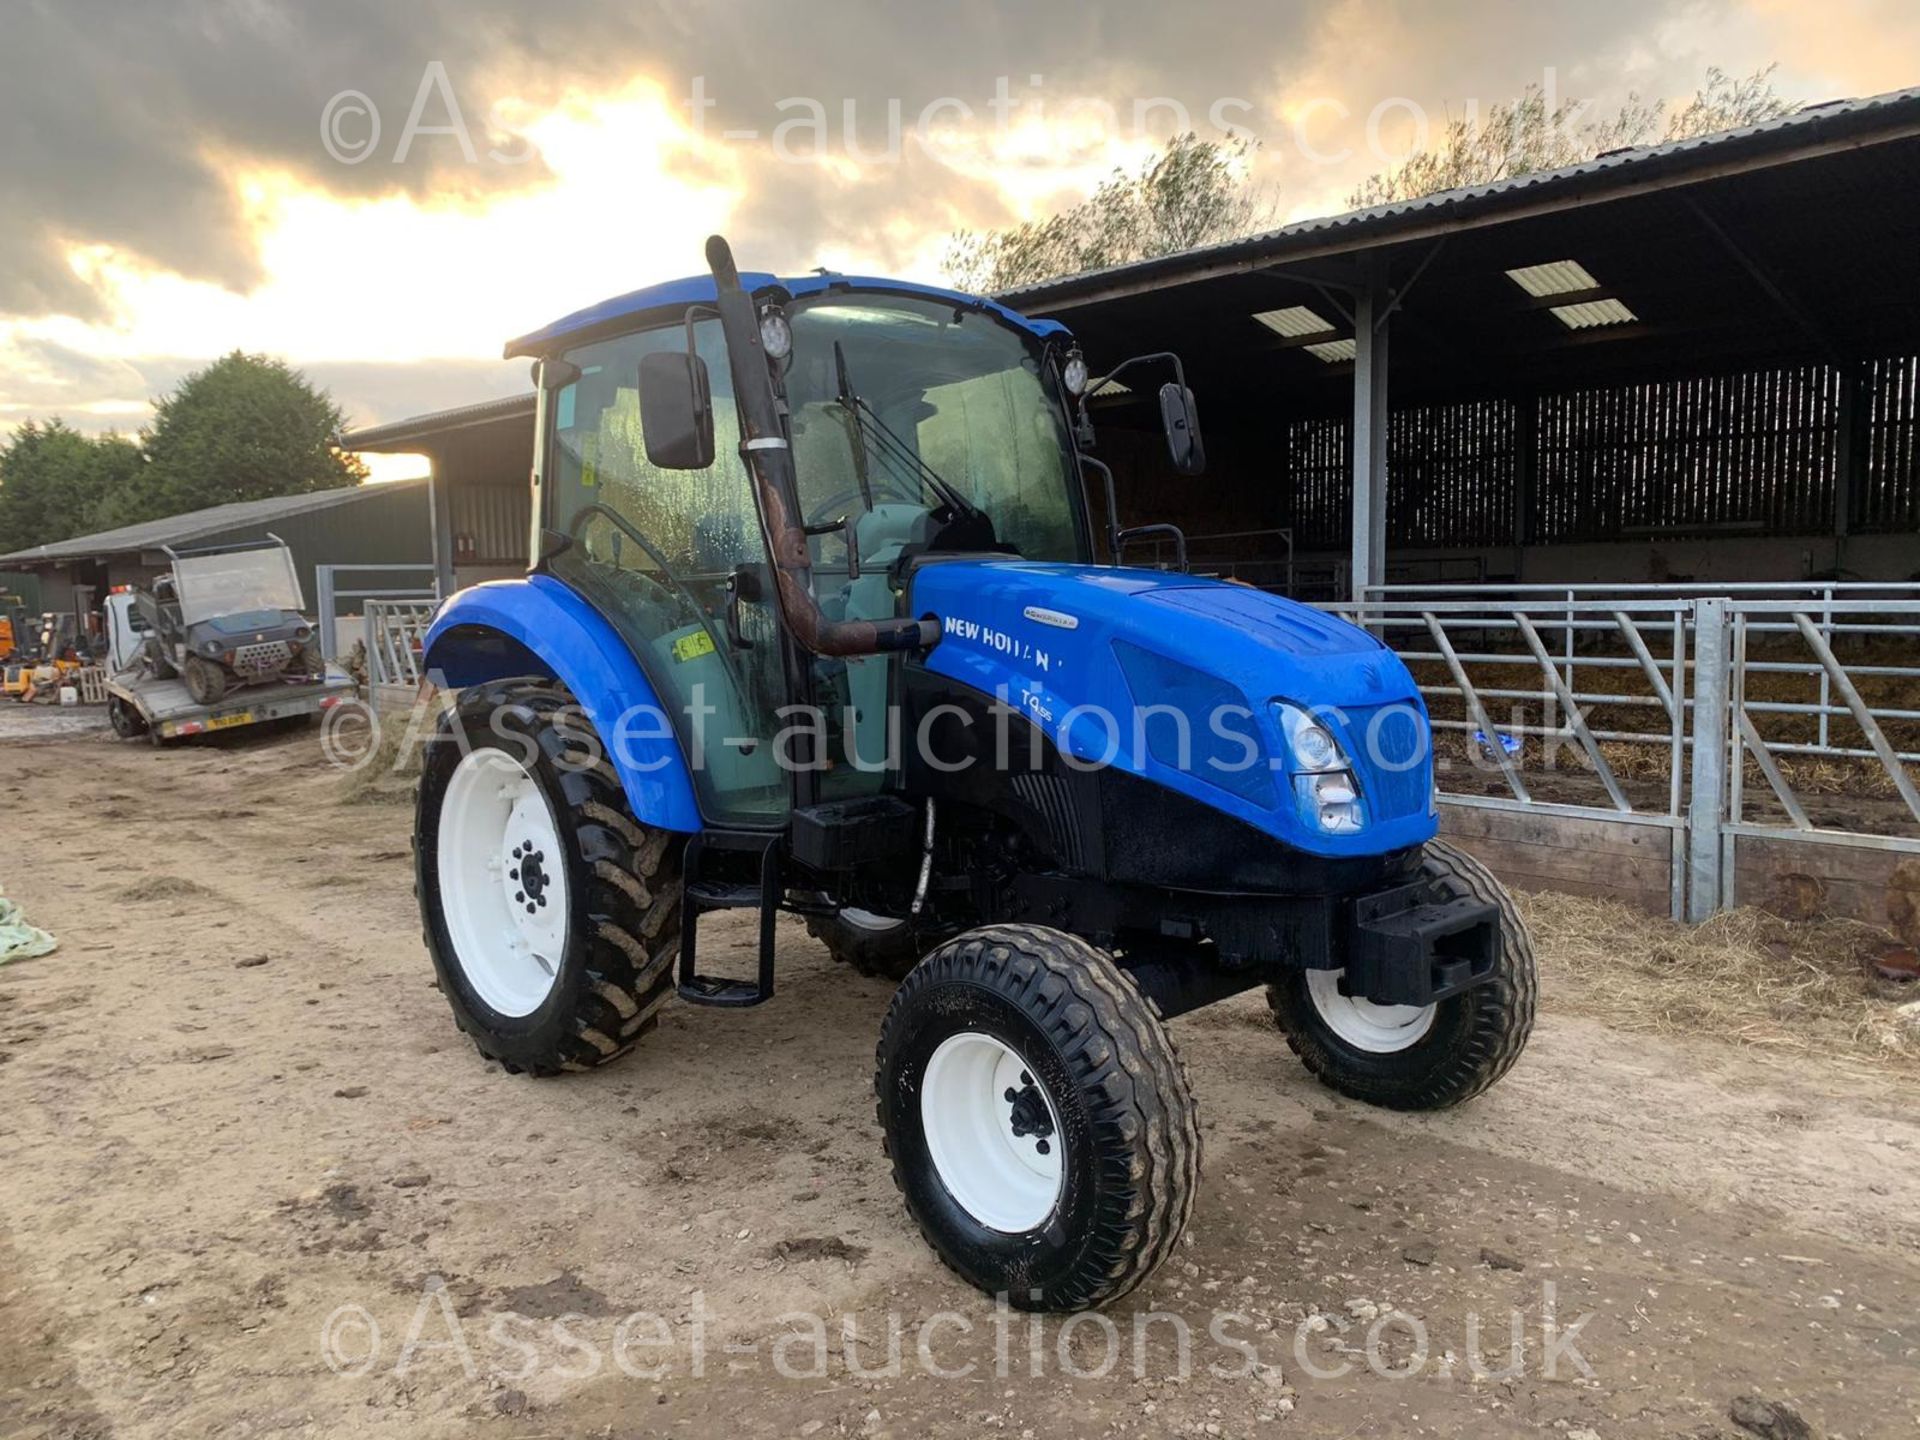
(1391, 749)
(263, 658)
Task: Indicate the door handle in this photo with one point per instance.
(742, 584)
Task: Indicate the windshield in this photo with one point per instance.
(896, 399)
(236, 583)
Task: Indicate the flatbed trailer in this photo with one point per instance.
(163, 710)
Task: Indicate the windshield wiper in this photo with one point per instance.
(889, 446)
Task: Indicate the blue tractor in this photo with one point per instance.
(814, 624)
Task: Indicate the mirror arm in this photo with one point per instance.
(1179, 372)
(1113, 505)
(1139, 532)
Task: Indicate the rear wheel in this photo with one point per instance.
(1405, 1057)
(1037, 1117)
(551, 914)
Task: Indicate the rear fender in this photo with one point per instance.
(538, 626)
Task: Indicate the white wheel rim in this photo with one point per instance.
(1377, 1029)
(503, 882)
(999, 1158)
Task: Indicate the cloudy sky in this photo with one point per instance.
(382, 191)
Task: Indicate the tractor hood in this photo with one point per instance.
(1176, 679)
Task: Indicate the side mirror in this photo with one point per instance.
(1181, 420)
(676, 410)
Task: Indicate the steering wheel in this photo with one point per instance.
(670, 587)
(851, 500)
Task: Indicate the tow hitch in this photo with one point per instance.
(1405, 948)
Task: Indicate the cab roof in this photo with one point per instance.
(667, 301)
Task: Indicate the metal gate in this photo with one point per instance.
(1610, 739)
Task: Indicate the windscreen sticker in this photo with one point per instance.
(692, 647)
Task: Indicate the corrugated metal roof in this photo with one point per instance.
(1621, 167)
(397, 435)
(199, 524)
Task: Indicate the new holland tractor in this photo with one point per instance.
(815, 624)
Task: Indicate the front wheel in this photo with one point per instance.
(1037, 1117)
(551, 914)
(1404, 1057)
(127, 722)
(206, 682)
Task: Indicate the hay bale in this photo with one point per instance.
(1745, 976)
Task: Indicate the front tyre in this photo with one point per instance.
(1404, 1057)
(551, 914)
(1037, 1117)
(126, 721)
(206, 682)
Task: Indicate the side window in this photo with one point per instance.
(653, 550)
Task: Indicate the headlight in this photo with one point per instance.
(1324, 787)
(1312, 745)
(1074, 373)
(776, 335)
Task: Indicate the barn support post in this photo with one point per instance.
(1371, 305)
(1707, 805)
(440, 502)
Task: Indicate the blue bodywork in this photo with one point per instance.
(572, 642)
(1070, 645)
(669, 301)
(1192, 670)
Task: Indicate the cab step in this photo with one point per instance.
(729, 870)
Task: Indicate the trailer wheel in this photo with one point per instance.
(870, 944)
(551, 914)
(126, 721)
(1037, 1117)
(1407, 1058)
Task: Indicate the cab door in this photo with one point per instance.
(674, 560)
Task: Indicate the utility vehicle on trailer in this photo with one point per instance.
(227, 616)
(1060, 801)
(155, 701)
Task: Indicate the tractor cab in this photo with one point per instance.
(910, 423)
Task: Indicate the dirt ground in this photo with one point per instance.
(240, 1131)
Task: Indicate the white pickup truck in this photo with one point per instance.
(141, 703)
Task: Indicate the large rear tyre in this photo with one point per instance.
(871, 944)
(551, 914)
(1406, 1058)
(1037, 1117)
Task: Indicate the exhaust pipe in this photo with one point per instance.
(776, 496)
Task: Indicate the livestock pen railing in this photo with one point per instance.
(396, 632)
(1702, 711)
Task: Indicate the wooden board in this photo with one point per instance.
(1540, 850)
(1851, 882)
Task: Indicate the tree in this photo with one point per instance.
(245, 428)
(1194, 192)
(56, 482)
(1525, 135)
